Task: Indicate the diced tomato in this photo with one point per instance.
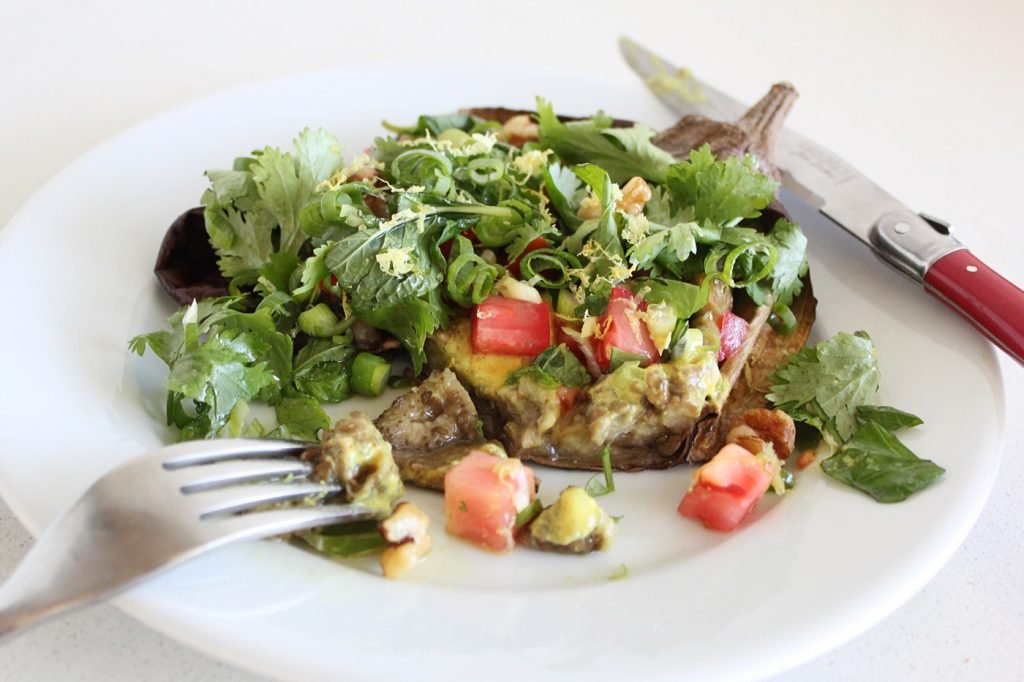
(620, 327)
(567, 397)
(734, 330)
(509, 326)
(482, 495)
(538, 243)
(626, 294)
(725, 489)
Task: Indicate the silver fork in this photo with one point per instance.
(159, 510)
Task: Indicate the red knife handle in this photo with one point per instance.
(991, 303)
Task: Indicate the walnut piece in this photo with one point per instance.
(760, 425)
(408, 542)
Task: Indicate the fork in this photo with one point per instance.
(159, 510)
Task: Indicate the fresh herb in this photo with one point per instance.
(623, 152)
(829, 387)
(888, 418)
(554, 367)
(824, 385)
(595, 486)
(528, 513)
(720, 192)
(874, 461)
(351, 540)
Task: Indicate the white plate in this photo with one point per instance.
(811, 572)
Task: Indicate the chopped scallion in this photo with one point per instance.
(370, 374)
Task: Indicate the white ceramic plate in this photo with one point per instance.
(807, 574)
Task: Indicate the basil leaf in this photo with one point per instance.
(685, 298)
(322, 369)
(887, 417)
(555, 366)
(874, 461)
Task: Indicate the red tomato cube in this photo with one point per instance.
(734, 330)
(725, 489)
(482, 495)
(509, 326)
(622, 328)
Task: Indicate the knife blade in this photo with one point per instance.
(918, 245)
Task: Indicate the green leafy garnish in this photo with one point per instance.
(555, 366)
(877, 463)
(622, 152)
(528, 513)
(720, 192)
(888, 418)
(830, 387)
(351, 540)
(823, 385)
(595, 486)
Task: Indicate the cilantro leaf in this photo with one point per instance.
(257, 204)
(720, 192)
(824, 385)
(784, 283)
(623, 152)
(877, 463)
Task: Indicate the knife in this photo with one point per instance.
(918, 245)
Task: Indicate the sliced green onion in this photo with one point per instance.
(595, 487)
(751, 247)
(370, 374)
(485, 171)
(424, 167)
(547, 268)
(782, 320)
(566, 304)
(470, 278)
(455, 136)
(357, 539)
(319, 321)
(528, 513)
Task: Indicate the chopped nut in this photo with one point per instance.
(763, 425)
(520, 129)
(408, 542)
(806, 458)
(635, 195)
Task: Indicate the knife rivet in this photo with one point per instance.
(901, 227)
(972, 268)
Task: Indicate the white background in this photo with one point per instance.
(926, 97)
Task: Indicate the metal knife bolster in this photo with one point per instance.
(910, 242)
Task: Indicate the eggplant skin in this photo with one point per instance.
(186, 265)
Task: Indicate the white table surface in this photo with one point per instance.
(926, 97)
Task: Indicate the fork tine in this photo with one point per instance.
(207, 451)
(262, 524)
(216, 474)
(244, 497)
